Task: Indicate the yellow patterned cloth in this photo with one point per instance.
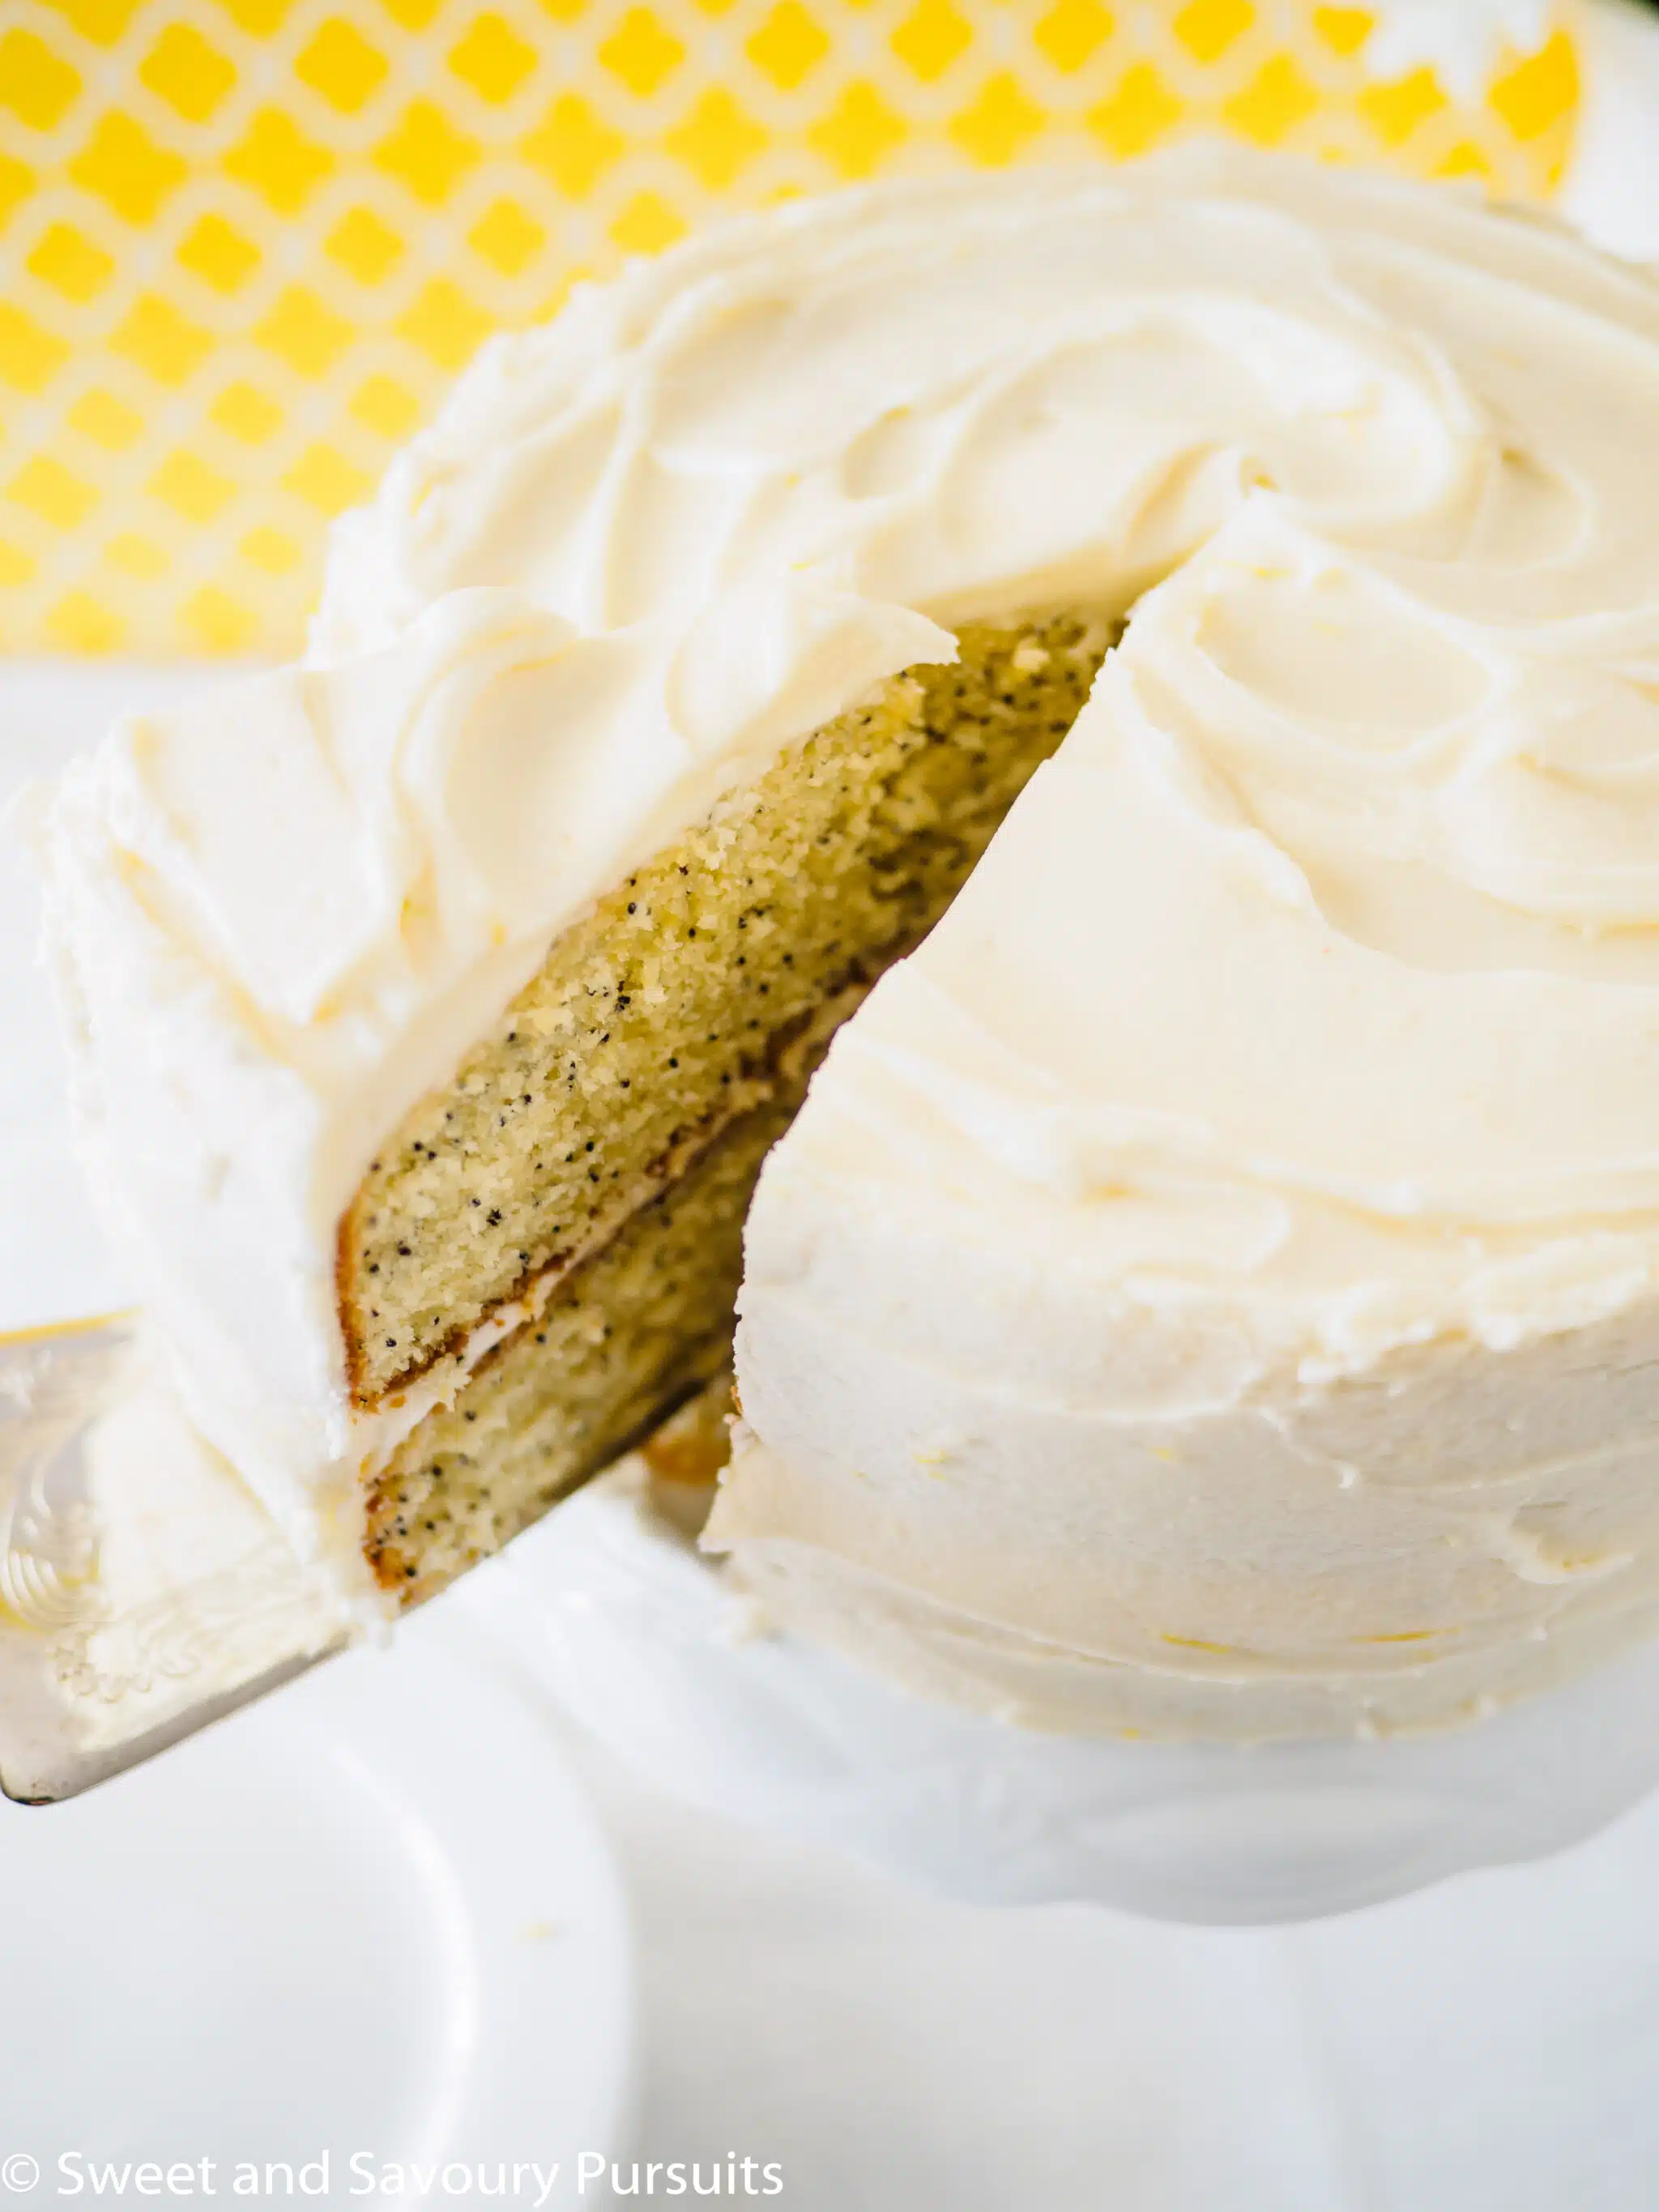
(246, 244)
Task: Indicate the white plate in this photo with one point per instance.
(373, 1916)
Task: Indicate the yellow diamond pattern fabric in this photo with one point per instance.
(246, 244)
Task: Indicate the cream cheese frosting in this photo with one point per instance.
(1387, 449)
(1211, 1285)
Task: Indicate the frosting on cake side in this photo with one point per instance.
(1211, 1286)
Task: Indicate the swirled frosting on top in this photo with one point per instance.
(1385, 452)
(1211, 1285)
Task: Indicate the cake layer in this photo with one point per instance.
(626, 1338)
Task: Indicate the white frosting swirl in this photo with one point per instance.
(1386, 447)
(1211, 1285)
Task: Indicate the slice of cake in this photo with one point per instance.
(435, 1000)
(286, 912)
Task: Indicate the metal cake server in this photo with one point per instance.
(132, 1613)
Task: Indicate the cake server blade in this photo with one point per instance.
(132, 1612)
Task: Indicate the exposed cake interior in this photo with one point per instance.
(587, 1172)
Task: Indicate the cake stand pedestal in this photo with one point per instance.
(636, 1636)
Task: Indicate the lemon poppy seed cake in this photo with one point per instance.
(436, 1000)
